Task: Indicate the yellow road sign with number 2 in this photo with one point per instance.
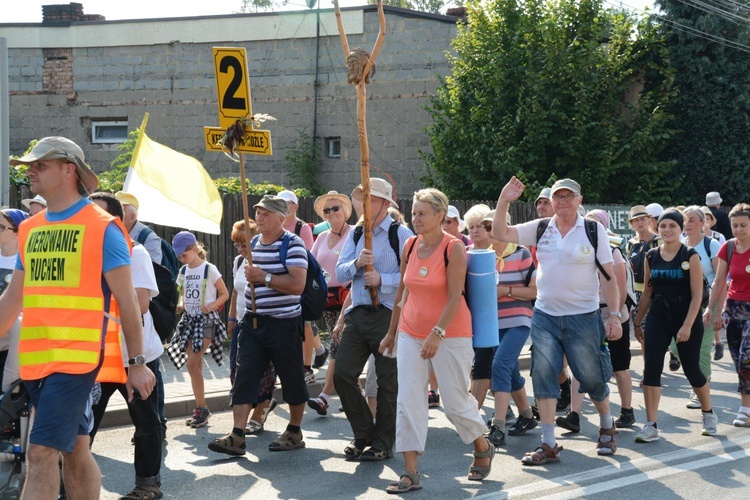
(232, 84)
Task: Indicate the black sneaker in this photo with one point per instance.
(718, 351)
(433, 399)
(563, 402)
(674, 363)
(625, 420)
(489, 420)
(496, 436)
(571, 421)
(522, 425)
(320, 360)
(200, 418)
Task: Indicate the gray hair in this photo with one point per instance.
(694, 210)
(476, 214)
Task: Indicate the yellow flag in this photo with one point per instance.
(173, 189)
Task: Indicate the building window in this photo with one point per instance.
(109, 132)
(333, 146)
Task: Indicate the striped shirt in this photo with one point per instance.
(269, 302)
(385, 263)
(513, 312)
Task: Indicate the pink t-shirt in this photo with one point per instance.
(739, 272)
(329, 257)
(427, 282)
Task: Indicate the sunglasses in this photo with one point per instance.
(332, 209)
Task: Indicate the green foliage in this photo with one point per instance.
(303, 159)
(538, 90)
(232, 185)
(713, 109)
(17, 175)
(258, 5)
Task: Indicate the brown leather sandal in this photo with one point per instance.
(610, 447)
(542, 455)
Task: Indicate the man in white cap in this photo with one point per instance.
(365, 325)
(35, 204)
(455, 226)
(713, 202)
(65, 256)
(654, 210)
(567, 319)
(151, 242)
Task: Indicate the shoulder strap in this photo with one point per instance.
(298, 227)
(731, 243)
(180, 284)
(284, 248)
(542, 227)
(707, 246)
(393, 240)
(411, 247)
(205, 282)
(144, 234)
(593, 236)
(358, 232)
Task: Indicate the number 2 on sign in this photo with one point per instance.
(231, 84)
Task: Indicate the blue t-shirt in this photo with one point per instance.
(115, 249)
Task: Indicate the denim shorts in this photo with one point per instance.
(506, 374)
(63, 409)
(581, 338)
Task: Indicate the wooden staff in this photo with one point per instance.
(248, 238)
(360, 79)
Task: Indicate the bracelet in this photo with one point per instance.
(440, 332)
(637, 326)
(233, 320)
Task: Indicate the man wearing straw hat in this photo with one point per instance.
(366, 325)
(65, 256)
(567, 319)
(35, 204)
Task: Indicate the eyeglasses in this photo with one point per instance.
(564, 197)
(240, 245)
(450, 221)
(332, 209)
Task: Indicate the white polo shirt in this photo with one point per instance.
(567, 278)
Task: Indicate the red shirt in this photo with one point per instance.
(739, 272)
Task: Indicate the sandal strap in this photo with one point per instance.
(490, 453)
(414, 477)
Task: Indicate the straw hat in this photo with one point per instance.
(346, 204)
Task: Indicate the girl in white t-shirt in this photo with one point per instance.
(10, 218)
(202, 292)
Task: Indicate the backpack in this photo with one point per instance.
(392, 238)
(637, 264)
(630, 298)
(164, 305)
(731, 243)
(591, 234)
(706, 287)
(315, 295)
(168, 256)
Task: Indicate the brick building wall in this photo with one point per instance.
(64, 77)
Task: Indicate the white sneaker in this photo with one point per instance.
(648, 434)
(710, 420)
(742, 420)
(694, 403)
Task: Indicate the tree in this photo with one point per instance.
(545, 88)
(713, 108)
(258, 5)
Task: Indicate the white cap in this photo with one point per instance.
(287, 195)
(453, 214)
(26, 202)
(654, 210)
(713, 198)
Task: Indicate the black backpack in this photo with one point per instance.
(315, 294)
(591, 234)
(392, 238)
(168, 256)
(163, 307)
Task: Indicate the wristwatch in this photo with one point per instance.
(617, 314)
(440, 332)
(510, 292)
(267, 279)
(137, 360)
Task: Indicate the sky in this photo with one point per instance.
(30, 11)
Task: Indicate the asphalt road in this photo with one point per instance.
(683, 464)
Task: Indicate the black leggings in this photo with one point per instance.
(664, 320)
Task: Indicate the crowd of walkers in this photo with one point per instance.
(564, 281)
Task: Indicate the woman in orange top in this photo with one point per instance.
(433, 271)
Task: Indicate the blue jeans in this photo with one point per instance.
(506, 374)
(581, 338)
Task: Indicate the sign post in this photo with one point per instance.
(236, 130)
